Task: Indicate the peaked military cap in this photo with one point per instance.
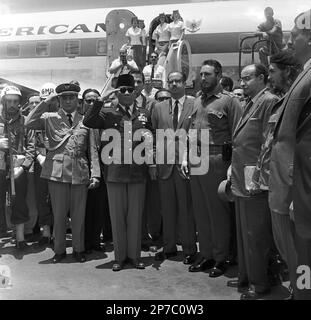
(125, 80)
(68, 88)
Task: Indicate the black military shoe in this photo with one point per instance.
(251, 294)
(59, 257)
(241, 286)
(201, 265)
(218, 269)
(117, 266)
(79, 256)
(136, 263)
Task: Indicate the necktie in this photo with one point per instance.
(69, 116)
(247, 108)
(152, 72)
(175, 116)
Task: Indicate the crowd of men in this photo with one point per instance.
(251, 207)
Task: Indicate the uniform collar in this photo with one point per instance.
(127, 109)
(216, 92)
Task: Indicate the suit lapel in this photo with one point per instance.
(169, 110)
(307, 119)
(302, 74)
(184, 112)
(244, 119)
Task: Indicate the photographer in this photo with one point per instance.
(122, 65)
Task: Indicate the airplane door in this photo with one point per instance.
(117, 23)
(179, 58)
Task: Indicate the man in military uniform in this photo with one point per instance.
(12, 122)
(71, 147)
(254, 231)
(283, 70)
(44, 208)
(126, 180)
(218, 111)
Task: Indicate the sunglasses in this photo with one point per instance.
(128, 89)
(163, 98)
(89, 101)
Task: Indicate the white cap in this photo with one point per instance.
(10, 90)
(47, 89)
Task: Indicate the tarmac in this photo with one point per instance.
(33, 276)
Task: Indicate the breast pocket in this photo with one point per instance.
(254, 126)
(57, 163)
(81, 138)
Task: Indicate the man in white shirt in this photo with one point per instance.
(149, 91)
(154, 70)
(122, 65)
(175, 194)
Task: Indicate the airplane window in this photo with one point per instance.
(72, 47)
(13, 50)
(42, 49)
(101, 47)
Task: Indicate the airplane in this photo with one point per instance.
(60, 46)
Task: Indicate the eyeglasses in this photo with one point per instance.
(128, 89)
(154, 57)
(163, 98)
(89, 101)
(176, 81)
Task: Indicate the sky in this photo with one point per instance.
(23, 6)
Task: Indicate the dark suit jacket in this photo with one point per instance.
(302, 166)
(248, 138)
(114, 118)
(162, 118)
(282, 156)
(74, 159)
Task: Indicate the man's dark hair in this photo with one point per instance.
(159, 91)
(286, 59)
(88, 91)
(227, 82)
(184, 77)
(134, 18)
(138, 73)
(261, 69)
(213, 63)
(267, 9)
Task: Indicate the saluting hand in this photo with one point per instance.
(107, 95)
(94, 183)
